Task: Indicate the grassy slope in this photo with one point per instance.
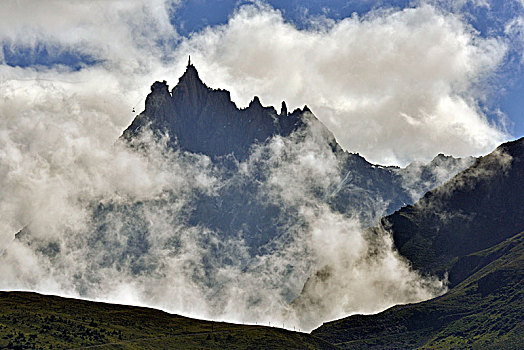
(30, 320)
(486, 310)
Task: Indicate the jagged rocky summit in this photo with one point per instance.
(202, 120)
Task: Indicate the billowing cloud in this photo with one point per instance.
(114, 226)
(395, 86)
(123, 34)
(59, 123)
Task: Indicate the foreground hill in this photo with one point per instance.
(485, 311)
(34, 321)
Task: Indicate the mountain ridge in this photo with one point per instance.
(207, 121)
(494, 180)
(469, 229)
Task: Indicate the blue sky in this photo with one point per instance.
(469, 80)
(490, 20)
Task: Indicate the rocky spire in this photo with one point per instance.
(159, 94)
(255, 103)
(283, 109)
(190, 78)
(191, 90)
(160, 87)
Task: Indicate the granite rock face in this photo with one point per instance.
(203, 120)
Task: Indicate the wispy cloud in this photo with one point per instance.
(115, 226)
(393, 85)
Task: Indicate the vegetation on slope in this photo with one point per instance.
(485, 311)
(34, 321)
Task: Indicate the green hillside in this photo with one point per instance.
(485, 311)
(34, 321)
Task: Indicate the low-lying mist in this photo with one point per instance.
(115, 223)
(98, 219)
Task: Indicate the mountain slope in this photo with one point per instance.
(30, 320)
(485, 311)
(478, 208)
(471, 227)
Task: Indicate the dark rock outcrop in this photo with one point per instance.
(202, 120)
(478, 208)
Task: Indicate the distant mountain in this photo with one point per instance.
(419, 178)
(470, 228)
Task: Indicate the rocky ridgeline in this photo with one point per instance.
(204, 120)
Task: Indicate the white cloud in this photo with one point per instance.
(190, 269)
(515, 30)
(58, 126)
(391, 85)
(122, 33)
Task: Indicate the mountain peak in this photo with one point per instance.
(190, 79)
(255, 103)
(203, 120)
(160, 87)
(283, 109)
